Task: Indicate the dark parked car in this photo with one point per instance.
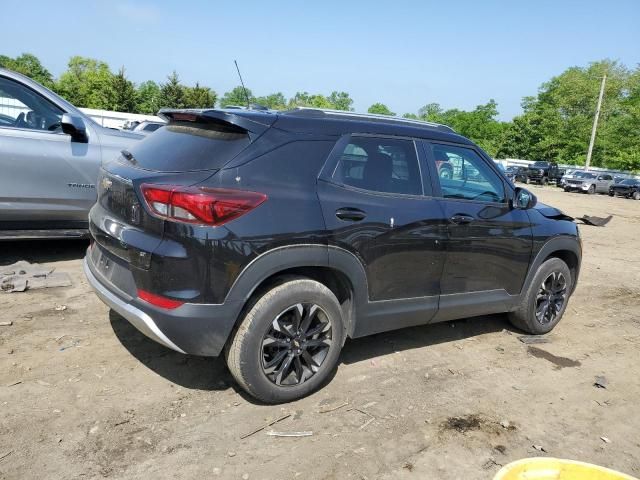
(50, 153)
(629, 188)
(271, 238)
(544, 173)
(519, 173)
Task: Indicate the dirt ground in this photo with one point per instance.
(84, 395)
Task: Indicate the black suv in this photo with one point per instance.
(544, 173)
(273, 237)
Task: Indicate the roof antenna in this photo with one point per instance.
(243, 87)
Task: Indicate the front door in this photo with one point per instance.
(376, 207)
(489, 243)
(48, 180)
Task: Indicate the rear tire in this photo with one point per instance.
(544, 181)
(550, 287)
(288, 343)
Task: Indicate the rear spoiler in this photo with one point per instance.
(241, 121)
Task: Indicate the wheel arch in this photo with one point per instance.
(339, 270)
(567, 248)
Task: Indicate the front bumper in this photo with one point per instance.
(581, 187)
(196, 329)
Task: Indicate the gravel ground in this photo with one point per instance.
(84, 395)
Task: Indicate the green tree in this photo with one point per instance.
(124, 93)
(274, 101)
(237, 97)
(380, 109)
(148, 98)
(199, 97)
(29, 65)
(335, 101)
(172, 93)
(480, 124)
(341, 101)
(556, 123)
(87, 83)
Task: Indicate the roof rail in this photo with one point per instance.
(304, 111)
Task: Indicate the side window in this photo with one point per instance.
(380, 165)
(21, 107)
(463, 174)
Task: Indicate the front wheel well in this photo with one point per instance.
(571, 259)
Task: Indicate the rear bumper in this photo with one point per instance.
(196, 329)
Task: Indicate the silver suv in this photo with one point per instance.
(50, 154)
(589, 182)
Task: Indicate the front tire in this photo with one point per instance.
(288, 343)
(546, 299)
(636, 195)
(592, 190)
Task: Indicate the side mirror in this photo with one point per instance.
(74, 126)
(523, 199)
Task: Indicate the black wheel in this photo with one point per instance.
(544, 181)
(525, 180)
(288, 342)
(546, 300)
(611, 194)
(636, 195)
(592, 190)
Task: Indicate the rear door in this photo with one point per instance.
(489, 243)
(48, 180)
(376, 207)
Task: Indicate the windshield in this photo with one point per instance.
(541, 164)
(629, 181)
(588, 175)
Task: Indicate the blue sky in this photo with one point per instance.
(402, 53)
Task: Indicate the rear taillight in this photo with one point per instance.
(201, 205)
(159, 301)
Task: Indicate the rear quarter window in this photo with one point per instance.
(181, 147)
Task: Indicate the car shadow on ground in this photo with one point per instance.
(42, 251)
(207, 373)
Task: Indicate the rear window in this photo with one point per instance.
(183, 147)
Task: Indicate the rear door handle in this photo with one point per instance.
(461, 219)
(353, 214)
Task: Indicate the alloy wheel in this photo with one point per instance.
(296, 344)
(551, 297)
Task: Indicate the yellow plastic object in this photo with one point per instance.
(544, 468)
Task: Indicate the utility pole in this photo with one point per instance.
(595, 123)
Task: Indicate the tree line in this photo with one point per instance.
(555, 123)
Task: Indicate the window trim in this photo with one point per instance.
(333, 160)
(437, 191)
(24, 129)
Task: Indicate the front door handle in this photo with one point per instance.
(461, 219)
(352, 214)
